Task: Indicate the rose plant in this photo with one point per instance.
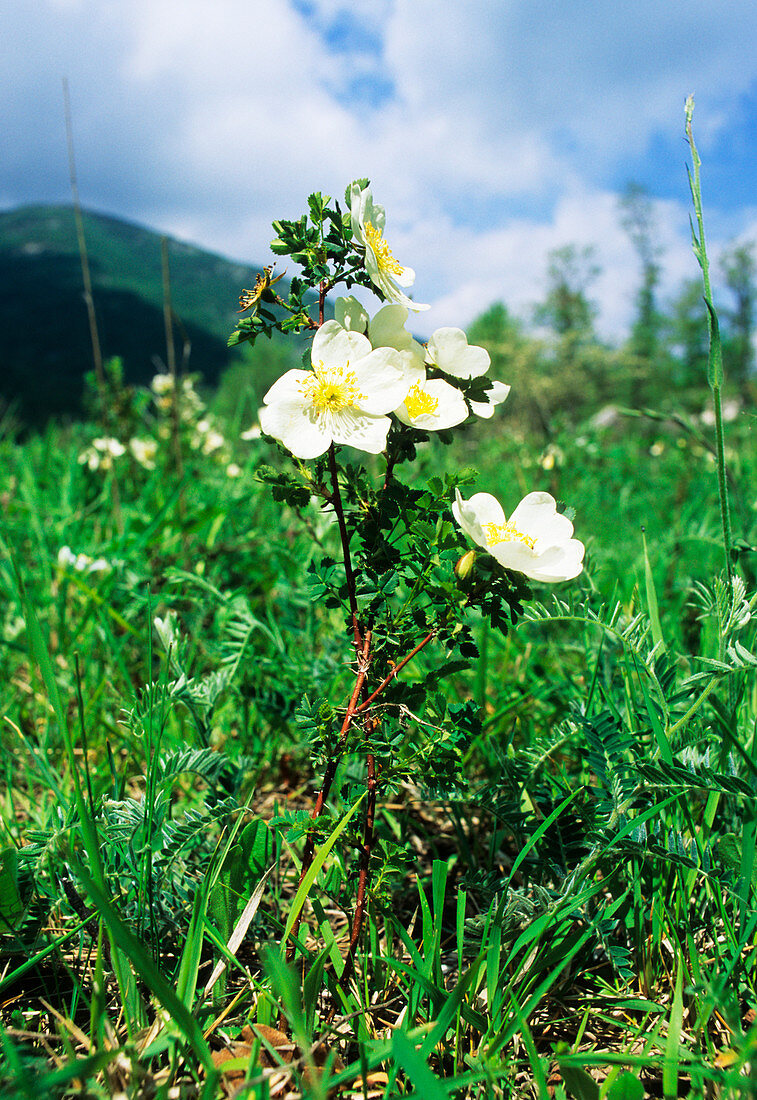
(403, 579)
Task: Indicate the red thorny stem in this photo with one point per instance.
(322, 291)
(336, 499)
(353, 709)
(370, 815)
(330, 772)
(365, 861)
(395, 670)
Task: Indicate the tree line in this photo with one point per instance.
(562, 370)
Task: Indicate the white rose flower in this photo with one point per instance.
(368, 220)
(536, 540)
(343, 399)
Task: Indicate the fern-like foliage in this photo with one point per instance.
(239, 629)
(675, 700)
(205, 763)
(193, 826)
(611, 753)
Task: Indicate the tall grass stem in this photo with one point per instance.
(715, 358)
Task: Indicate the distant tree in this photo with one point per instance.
(739, 270)
(567, 308)
(517, 359)
(494, 327)
(583, 373)
(555, 383)
(638, 220)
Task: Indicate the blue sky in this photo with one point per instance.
(493, 130)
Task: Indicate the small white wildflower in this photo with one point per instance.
(144, 451)
(66, 557)
(102, 453)
(212, 442)
(109, 446)
(162, 384)
(90, 458)
(82, 563)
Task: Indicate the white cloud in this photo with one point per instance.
(600, 78)
(469, 269)
(493, 131)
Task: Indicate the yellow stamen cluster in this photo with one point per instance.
(332, 389)
(505, 532)
(381, 250)
(419, 403)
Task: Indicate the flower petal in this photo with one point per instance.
(556, 563)
(382, 380)
(537, 516)
(303, 433)
(496, 394)
(448, 349)
(334, 346)
(389, 286)
(363, 209)
(288, 387)
(559, 563)
(356, 429)
(349, 313)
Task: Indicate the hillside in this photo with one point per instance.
(44, 336)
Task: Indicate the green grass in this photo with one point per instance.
(581, 917)
(560, 891)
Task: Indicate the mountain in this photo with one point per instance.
(45, 347)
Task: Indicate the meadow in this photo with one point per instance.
(556, 882)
